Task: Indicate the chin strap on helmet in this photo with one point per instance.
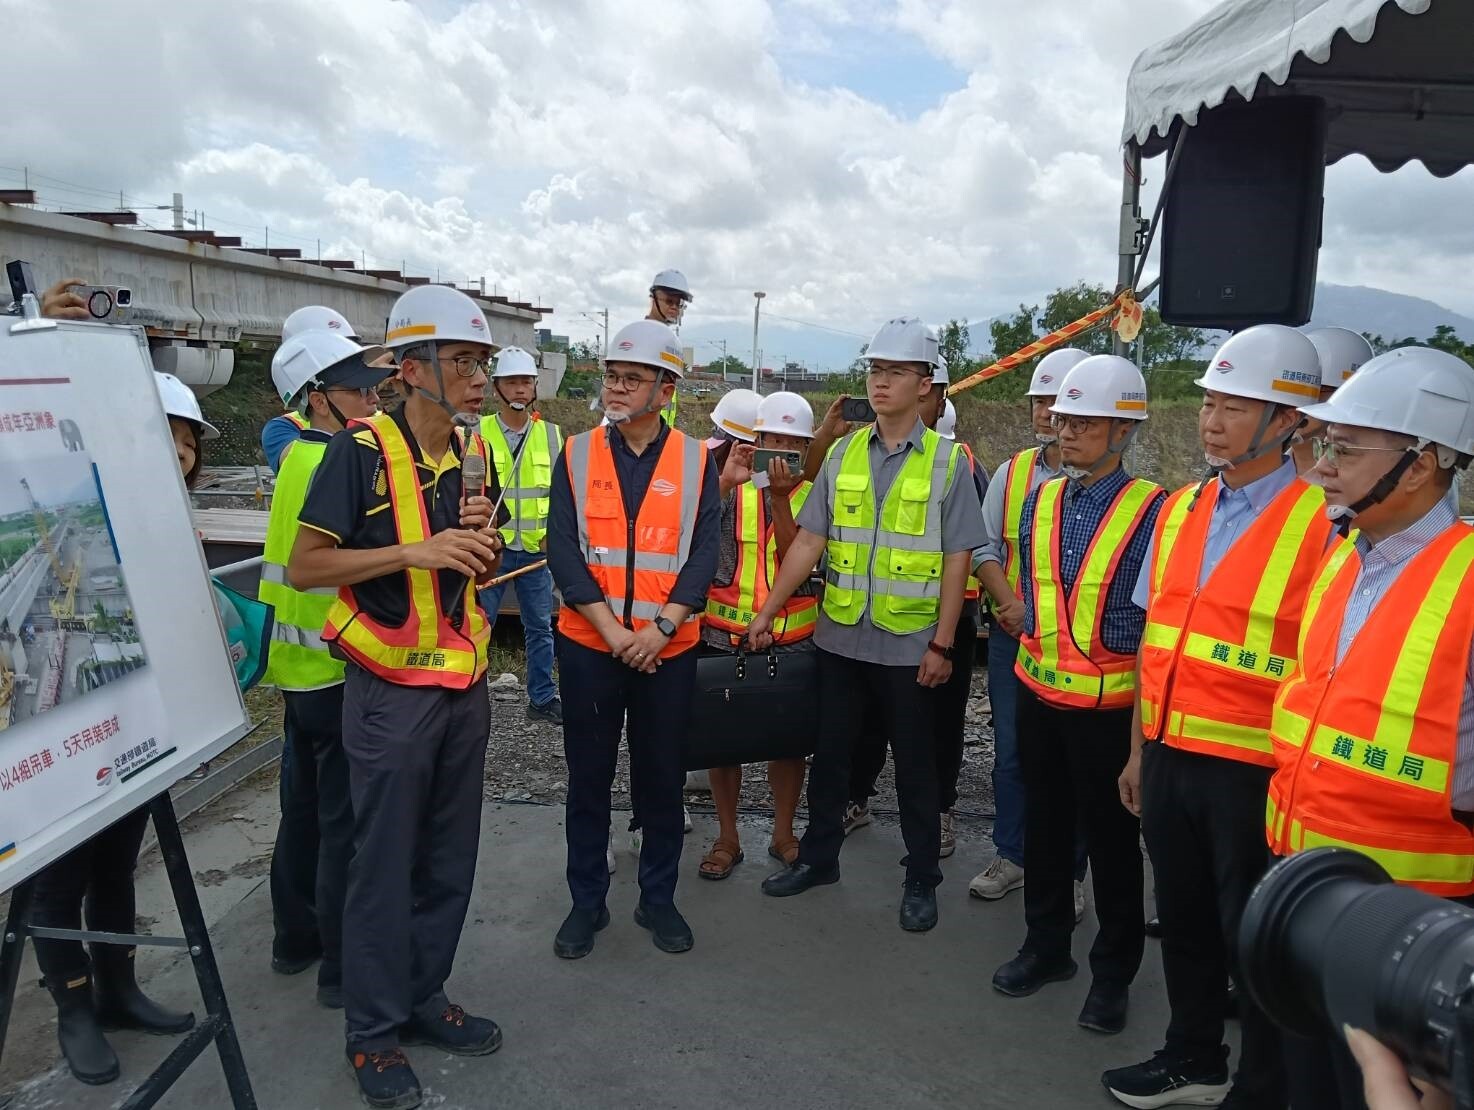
(1343, 515)
(1080, 473)
(434, 360)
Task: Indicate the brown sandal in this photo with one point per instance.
(718, 863)
(787, 852)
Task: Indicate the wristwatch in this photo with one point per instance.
(666, 626)
(944, 652)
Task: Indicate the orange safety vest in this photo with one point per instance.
(426, 650)
(298, 419)
(635, 563)
(1065, 661)
(974, 588)
(1213, 657)
(732, 608)
(1365, 749)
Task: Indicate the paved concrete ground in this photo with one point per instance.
(817, 1001)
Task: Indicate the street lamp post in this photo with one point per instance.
(757, 305)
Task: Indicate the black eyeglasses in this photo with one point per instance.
(466, 366)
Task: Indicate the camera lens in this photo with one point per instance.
(124, 298)
(1327, 939)
(100, 303)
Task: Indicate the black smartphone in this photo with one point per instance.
(857, 410)
(764, 455)
(22, 281)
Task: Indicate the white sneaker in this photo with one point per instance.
(1079, 901)
(686, 815)
(609, 853)
(856, 816)
(949, 837)
(998, 879)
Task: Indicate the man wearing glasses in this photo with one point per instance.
(1233, 561)
(634, 524)
(670, 293)
(391, 527)
(1082, 540)
(895, 510)
(1373, 733)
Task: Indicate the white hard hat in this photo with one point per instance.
(1268, 362)
(1102, 385)
(316, 317)
(1416, 391)
(313, 356)
(514, 362)
(179, 400)
(736, 414)
(673, 280)
(904, 339)
(1342, 351)
(435, 314)
(784, 414)
(947, 422)
(1052, 369)
(649, 343)
(939, 372)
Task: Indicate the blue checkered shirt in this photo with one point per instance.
(1085, 507)
(1380, 567)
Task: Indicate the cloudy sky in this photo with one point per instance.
(853, 158)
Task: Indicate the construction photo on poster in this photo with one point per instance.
(66, 619)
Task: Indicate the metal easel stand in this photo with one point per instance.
(217, 1024)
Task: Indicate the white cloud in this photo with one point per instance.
(566, 149)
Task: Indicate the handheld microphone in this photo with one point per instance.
(473, 474)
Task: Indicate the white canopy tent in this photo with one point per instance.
(1397, 78)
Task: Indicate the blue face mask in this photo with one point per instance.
(248, 626)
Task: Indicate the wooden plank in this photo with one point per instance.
(246, 527)
(17, 196)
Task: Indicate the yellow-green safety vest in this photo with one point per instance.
(669, 412)
(527, 491)
(891, 562)
(298, 659)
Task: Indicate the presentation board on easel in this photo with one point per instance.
(115, 680)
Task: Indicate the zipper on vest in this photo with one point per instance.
(629, 575)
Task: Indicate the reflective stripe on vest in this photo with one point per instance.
(1065, 661)
(634, 562)
(1365, 748)
(733, 607)
(526, 492)
(1015, 493)
(890, 562)
(298, 659)
(974, 589)
(426, 650)
(1215, 655)
(298, 419)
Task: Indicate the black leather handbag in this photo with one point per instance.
(752, 708)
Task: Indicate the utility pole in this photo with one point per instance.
(757, 306)
(178, 211)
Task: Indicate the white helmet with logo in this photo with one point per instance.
(904, 339)
(435, 314)
(1342, 352)
(304, 359)
(1102, 385)
(784, 414)
(316, 317)
(1052, 369)
(1415, 391)
(179, 401)
(736, 414)
(673, 280)
(939, 374)
(1268, 362)
(649, 343)
(514, 362)
(947, 422)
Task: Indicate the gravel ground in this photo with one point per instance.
(524, 762)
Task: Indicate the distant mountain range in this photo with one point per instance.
(1363, 309)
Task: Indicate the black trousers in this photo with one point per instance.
(416, 765)
(98, 873)
(1071, 760)
(314, 842)
(1203, 821)
(867, 759)
(852, 693)
(601, 697)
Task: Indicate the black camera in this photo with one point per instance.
(1328, 939)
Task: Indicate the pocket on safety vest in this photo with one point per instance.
(913, 497)
(908, 570)
(849, 497)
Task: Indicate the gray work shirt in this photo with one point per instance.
(962, 530)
